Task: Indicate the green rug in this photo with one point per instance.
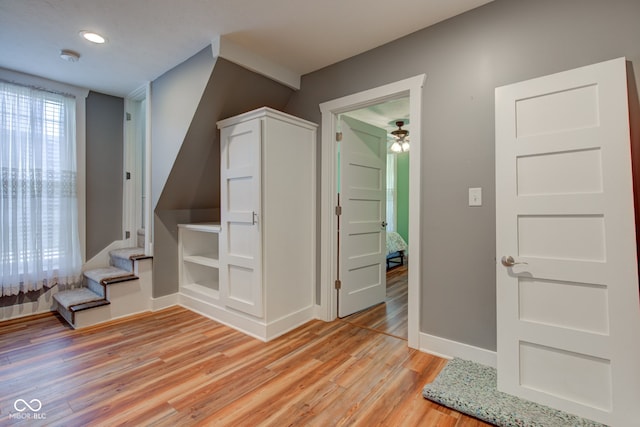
(470, 388)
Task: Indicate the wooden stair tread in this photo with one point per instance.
(88, 305)
(119, 279)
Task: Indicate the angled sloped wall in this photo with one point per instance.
(191, 190)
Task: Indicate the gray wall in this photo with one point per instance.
(465, 59)
(175, 96)
(104, 145)
(192, 189)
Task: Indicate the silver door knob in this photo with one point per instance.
(508, 261)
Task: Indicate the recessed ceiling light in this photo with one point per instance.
(93, 37)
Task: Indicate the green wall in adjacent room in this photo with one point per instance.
(402, 177)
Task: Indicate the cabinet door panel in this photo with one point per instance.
(240, 253)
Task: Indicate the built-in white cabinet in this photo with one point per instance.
(263, 281)
(198, 260)
(268, 216)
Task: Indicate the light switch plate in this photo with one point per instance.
(475, 196)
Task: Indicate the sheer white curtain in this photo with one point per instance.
(391, 192)
(39, 240)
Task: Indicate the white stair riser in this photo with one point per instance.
(92, 316)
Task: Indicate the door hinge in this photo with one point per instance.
(128, 115)
(127, 234)
(128, 175)
(338, 136)
(338, 210)
(338, 284)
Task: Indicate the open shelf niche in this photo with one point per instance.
(199, 262)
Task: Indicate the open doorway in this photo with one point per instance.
(389, 313)
(410, 88)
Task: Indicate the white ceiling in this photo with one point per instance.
(384, 115)
(149, 37)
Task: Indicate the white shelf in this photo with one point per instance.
(207, 261)
(206, 227)
(198, 260)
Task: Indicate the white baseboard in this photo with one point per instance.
(254, 327)
(319, 313)
(234, 320)
(289, 322)
(449, 349)
(163, 302)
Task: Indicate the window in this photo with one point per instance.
(39, 243)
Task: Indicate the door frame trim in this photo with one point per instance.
(133, 206)
(411, 87)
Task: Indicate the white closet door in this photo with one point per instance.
(240, 251)
(567, 284)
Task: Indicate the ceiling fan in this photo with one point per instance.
(401, 138)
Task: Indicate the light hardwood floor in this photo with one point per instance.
(177, 368)
(392, 316)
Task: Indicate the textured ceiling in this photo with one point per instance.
(149, 37)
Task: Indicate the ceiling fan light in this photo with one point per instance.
(400, 135)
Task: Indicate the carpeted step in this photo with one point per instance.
(74, 297)
(69, 302)
(124, 258)
(108, 275)
(98, 278)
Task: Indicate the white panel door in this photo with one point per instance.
(567, 281)
(363, 163)
(240, 249)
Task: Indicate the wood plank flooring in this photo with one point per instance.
(392, 316)
(177, 368)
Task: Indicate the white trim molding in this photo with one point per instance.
(136, 209)
(166, 301)
(449, 349)
(411, 87)
(252, 326)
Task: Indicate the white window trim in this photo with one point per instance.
(81, 95)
